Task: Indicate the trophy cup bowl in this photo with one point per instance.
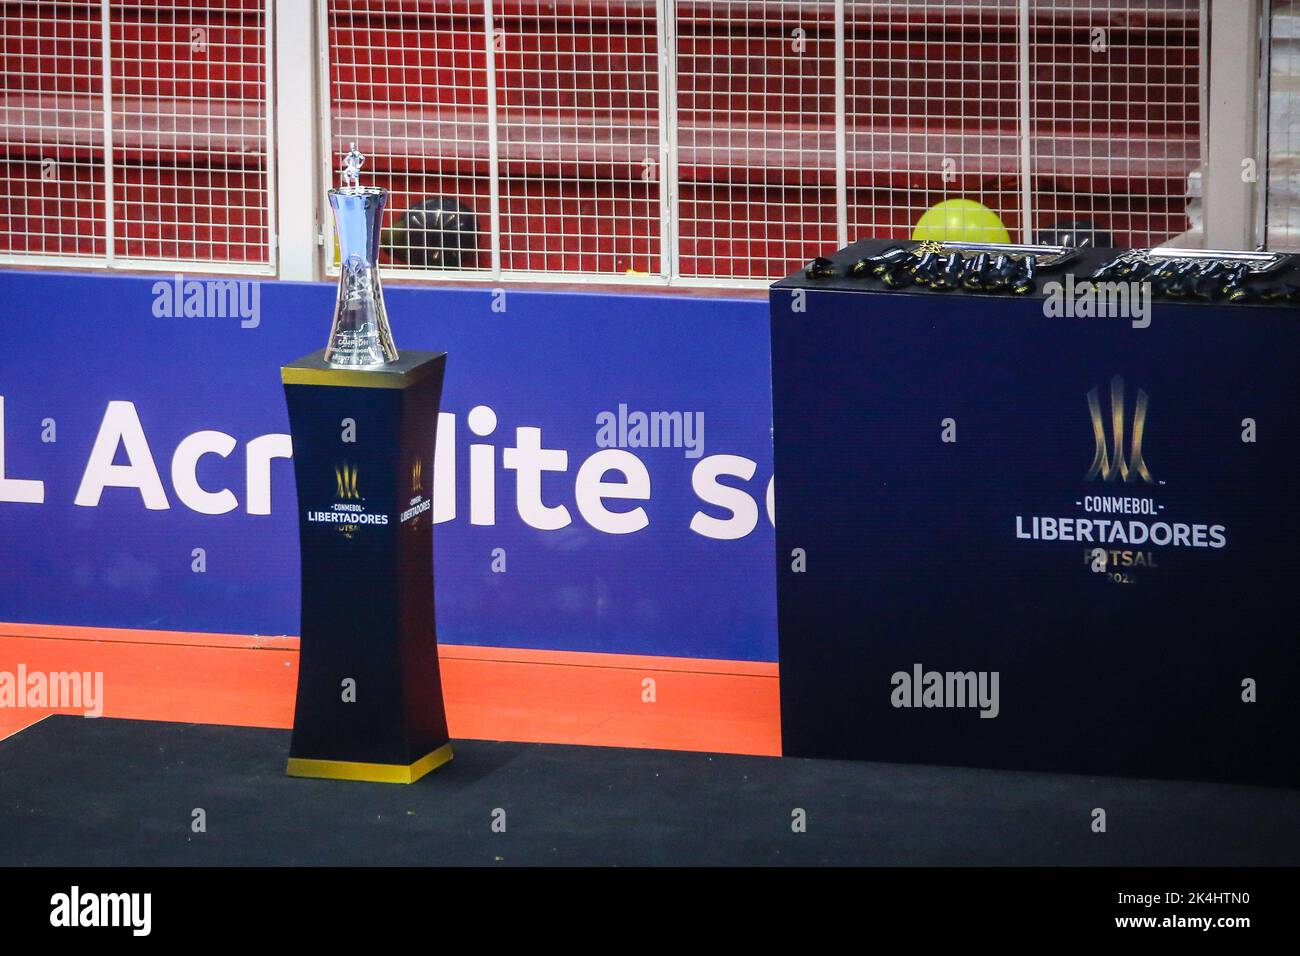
(360, 336)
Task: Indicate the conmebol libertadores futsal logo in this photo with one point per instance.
(347, 511)
(1122, 534)
(418, 504)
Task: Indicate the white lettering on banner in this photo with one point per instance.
(121, 457)
(482, 468)
(257, 469)
(743, 508)
(25, 491)
(185, 477)
(529, 459)
(444, 469)
(591, 489)
(121, 428)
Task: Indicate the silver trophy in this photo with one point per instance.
(360, 336)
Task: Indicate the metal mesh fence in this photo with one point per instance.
(51, 132)
(729, 141)
(137, 134)
(1115, 116)
(408, 80)
(756, 136)
(935, 112)
(624, 140)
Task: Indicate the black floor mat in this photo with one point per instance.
(97, 792)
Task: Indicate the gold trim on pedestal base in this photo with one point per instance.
(371, 772)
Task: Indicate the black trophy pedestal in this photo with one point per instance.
(369, 701)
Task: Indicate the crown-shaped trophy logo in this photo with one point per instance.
(345, 480)
(360, 337)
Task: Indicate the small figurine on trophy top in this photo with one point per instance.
(352, 163)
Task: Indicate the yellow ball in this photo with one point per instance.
(960, 220)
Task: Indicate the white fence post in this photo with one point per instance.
(1230, 193)
(494, 143)
(106, 68)
(841, 131)
(1026, 127)
(298, 184)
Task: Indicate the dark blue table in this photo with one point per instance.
(949, 466)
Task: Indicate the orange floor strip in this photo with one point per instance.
(491, 693)
(131, 635)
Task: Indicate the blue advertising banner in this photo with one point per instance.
(603, 473)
